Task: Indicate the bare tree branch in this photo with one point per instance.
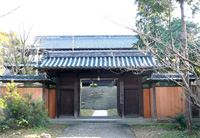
(10, 12)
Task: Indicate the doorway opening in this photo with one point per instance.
(98, 97)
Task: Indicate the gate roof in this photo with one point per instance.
(98, 59)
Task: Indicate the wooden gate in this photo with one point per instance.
(67, 102)
(132, 96)
(129, 95)
(65, 87)
(131, 102)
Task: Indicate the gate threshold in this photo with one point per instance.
(130, 121)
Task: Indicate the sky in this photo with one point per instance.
(68, 17)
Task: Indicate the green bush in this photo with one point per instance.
(181, 120)
(93, 85)
(21, 112)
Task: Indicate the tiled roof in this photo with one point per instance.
(167, 77)
(86, 42)
(99, 59)
(25, 78)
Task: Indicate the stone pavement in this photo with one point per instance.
(97, 130)
(100, 113)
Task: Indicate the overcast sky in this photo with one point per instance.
(68, 17)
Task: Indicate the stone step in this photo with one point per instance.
(129, 121)
(101, 120)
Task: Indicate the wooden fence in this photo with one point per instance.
(52, 103)
(146, 103)
(37, 94)
(169, 101)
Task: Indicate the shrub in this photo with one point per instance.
(181, 120)
(21, 112)
(93, 85)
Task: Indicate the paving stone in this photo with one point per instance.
(100, 113)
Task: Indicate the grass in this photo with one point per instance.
(112, 112)
(155, 127)
(52, 129)
(177, 134)
(162, 131)
(87, 112)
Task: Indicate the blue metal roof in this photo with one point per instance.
(98, 59)
(86, 42)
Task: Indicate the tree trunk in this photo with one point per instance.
(186, 72)
(187, 106)
(23, 58)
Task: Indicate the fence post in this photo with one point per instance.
(43, 93)
(154, 100)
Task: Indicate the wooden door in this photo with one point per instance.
(66, 102)
(131, 102)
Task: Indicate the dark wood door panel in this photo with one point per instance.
(131, 102)
(66, 102)
(67, 83)
(131, 84)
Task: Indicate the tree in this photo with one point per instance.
(181, 58)
(16, 55)
(5, 14)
